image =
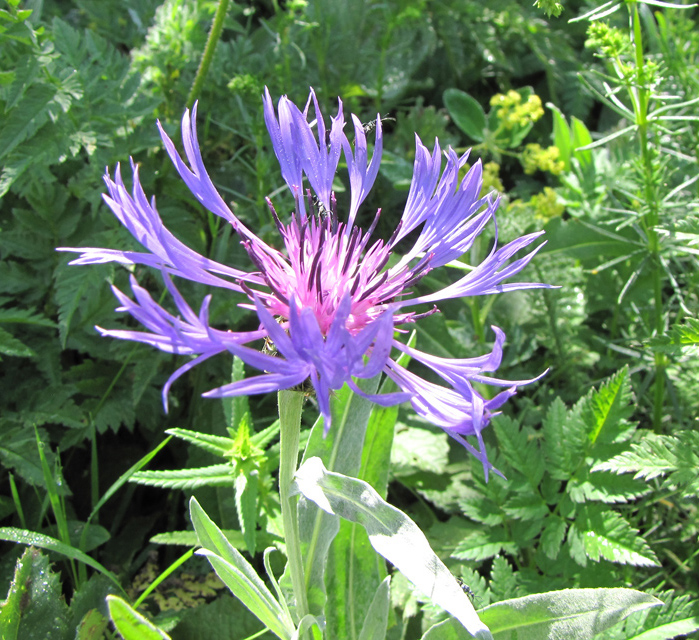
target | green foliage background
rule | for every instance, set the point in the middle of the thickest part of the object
(601, 456)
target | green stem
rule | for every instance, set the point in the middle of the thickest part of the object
(207, 57)
(290, 405)
(651, 217)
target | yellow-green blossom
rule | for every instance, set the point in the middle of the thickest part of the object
(546, 204)
(512, 112)
(491, 178)
(536, 158)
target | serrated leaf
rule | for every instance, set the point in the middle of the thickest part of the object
(15, 315)
(72, 285)
(607, 534)
(34, 607)
(519, 449)
(218, 445)
(26, 118)
(189, 538)
(564, 441)
(484, 511)
(130, 624)
(605, 487)
(11, 346)
(553, 535)
(31, 538)
(658, 455)
(217, 475)
(466, 112)
(483, 545)
(605, 410)
(526, 506)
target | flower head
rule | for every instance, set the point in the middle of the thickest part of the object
(327, 299)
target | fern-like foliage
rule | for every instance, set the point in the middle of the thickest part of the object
(553, 503)
(673, 458)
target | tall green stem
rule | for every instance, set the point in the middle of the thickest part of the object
(640, 96)
(290, 405)
(207, 57)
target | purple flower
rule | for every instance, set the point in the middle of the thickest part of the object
(328, 300)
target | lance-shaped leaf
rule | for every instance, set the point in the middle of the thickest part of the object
(130, 624)
(570, 614)
(395, 536)
(238, 575)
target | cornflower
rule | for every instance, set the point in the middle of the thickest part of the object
(328, 300)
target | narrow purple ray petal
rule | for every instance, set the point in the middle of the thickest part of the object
(362, 176)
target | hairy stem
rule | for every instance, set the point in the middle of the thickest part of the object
(207, 57)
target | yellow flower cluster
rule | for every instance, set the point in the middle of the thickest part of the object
(491, 179)
(546, 204)
(183, 591)
(513, 112)
(536, 158)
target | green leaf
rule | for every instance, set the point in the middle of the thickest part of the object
(552, 536)
(605, 411)
(607, 534)
(561, 135)
(26, 118)
(396, 169)
(125, 477)
(239, 575)
(11, 346)
(235, 408)
(217, 475)
(11, 612)
(564, 441)
(392, 534)
(581, 138)
(656, 455)
(92, 627)
(246, 485)
(22, 536)
(189, 538)
(223, 619)
(418, 450)
(90, 597)
(376, 620)
(218, 445)
(484, 543)
(605, 487)
(14, 315)
(352, 573)
(34, 607)
(520, 449)
(526, 505)
(575, 239)
(466, 112)
(670, 630)
(130, 624)
(573, 614)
